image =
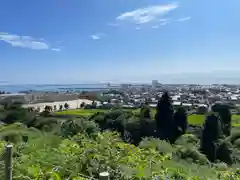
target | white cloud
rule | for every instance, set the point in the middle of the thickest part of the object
(164, 20)
(137, 28)
(55, 49)
(97, 36)
(164, 23)
(148, 14)
(24, 41)
(184, 19)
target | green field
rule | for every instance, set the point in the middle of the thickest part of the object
(88, 112)
(194, 119)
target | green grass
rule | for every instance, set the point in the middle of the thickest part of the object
(85, 112)
(194, 119)
(80, 112)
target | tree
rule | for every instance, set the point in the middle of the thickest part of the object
(94, 105)
(2, 92)
(15, 113)
(61, 107)
(48, 109)
(70, 128)
(164, 118)
(66, 105)
(30, 109)
(82, 105)
(180, 120)
(225, 117)
(212, 132)
(145, 112)
(13, 106)
(202, 110)
(13, 116)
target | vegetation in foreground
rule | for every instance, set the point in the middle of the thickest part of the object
(193, 119)
(126, 144)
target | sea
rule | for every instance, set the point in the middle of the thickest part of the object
(56, 87)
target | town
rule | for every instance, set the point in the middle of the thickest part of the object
(192, 97)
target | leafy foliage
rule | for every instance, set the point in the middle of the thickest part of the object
(128, 145)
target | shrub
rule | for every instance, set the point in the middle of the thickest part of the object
(211, 134)
(237, 143)
(73, 127)
(162, 147)
(188, 140)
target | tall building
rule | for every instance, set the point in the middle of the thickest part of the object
(125, 86)
(154, 84)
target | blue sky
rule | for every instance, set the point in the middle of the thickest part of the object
(78, 41)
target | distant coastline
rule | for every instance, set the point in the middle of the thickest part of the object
(56, 87)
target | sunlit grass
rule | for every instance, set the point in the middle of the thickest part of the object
(196, 119)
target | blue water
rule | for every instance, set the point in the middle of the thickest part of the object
(58, 87)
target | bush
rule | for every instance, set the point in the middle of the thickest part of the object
(65, 149)
(202, 110)
(162, 147)
(237, 143)
(188, 140)
(106, 152)
(72, 127)
(192, 155)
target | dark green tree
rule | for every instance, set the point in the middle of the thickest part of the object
(12, 106)
(82, 105)
(147, 124)
(15, 113)
(225, 117)
(47, 109)
(164, 118)
(66, 105)
(61, 107)
(211, 135)
(202, 110)
(70, 128)
(181, 123)
(145, 112)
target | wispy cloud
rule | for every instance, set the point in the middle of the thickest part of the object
(98, 36)
(148, 14)
(56, 49)
(137, 28)
(164, 20)
(164, 23)
(161, 22)
(25, 41)
(184, 19)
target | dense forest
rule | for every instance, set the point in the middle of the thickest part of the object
(127, 145)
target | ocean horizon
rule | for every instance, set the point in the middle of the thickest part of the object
(55, 87)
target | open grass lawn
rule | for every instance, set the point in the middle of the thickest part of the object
(194, 119)
(87, 112)
(80, 112)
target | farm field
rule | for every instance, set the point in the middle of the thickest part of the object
(194, 119)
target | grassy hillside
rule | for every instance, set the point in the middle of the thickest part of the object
(128, 146)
